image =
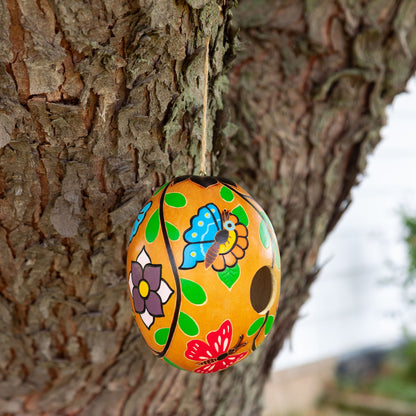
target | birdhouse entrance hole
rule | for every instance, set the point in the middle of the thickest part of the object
(263, 289)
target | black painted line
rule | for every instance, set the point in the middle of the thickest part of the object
(175, 274)
(253, 345)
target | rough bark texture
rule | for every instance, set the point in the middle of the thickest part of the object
(308, 93)
(100, 103)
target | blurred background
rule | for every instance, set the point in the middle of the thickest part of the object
(359, 319)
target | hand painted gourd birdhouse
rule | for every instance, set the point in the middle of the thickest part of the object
(203, 271)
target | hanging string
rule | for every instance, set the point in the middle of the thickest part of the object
(203, 170)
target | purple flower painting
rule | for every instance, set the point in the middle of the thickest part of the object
(148, 290)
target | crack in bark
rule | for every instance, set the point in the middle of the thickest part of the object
(18, 66)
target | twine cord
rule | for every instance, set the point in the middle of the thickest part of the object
(203, 170)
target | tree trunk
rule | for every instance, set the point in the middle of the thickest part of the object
(101, 103)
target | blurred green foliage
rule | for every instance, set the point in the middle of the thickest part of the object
(398, 378)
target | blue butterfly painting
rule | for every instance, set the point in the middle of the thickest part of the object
(217, 239)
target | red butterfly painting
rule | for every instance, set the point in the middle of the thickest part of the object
(217, 354)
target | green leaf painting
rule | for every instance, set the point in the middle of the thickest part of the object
(188, 325)
(161, 188)
(274, 244)
(241, 214)
(175, 199)
(161, 335)
(171, 363)
(255, 326)
(267, 219)
(193, 292)
(276, 255)
(152, 227)
(173, 232)
(264, 235)
(226, 194)
(269, 324)
(229, 275)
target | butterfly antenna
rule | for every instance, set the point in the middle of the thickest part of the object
(239, 344)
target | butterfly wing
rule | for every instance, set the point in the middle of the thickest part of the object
(214, 211)
(201, 235)
(204, 225)
(198, 350)
(194, 253)
(218, 343)
(220, 340)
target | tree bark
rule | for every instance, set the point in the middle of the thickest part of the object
(101, 103)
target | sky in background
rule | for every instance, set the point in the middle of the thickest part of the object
(356, 301)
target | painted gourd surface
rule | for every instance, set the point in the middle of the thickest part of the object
(203, 271)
